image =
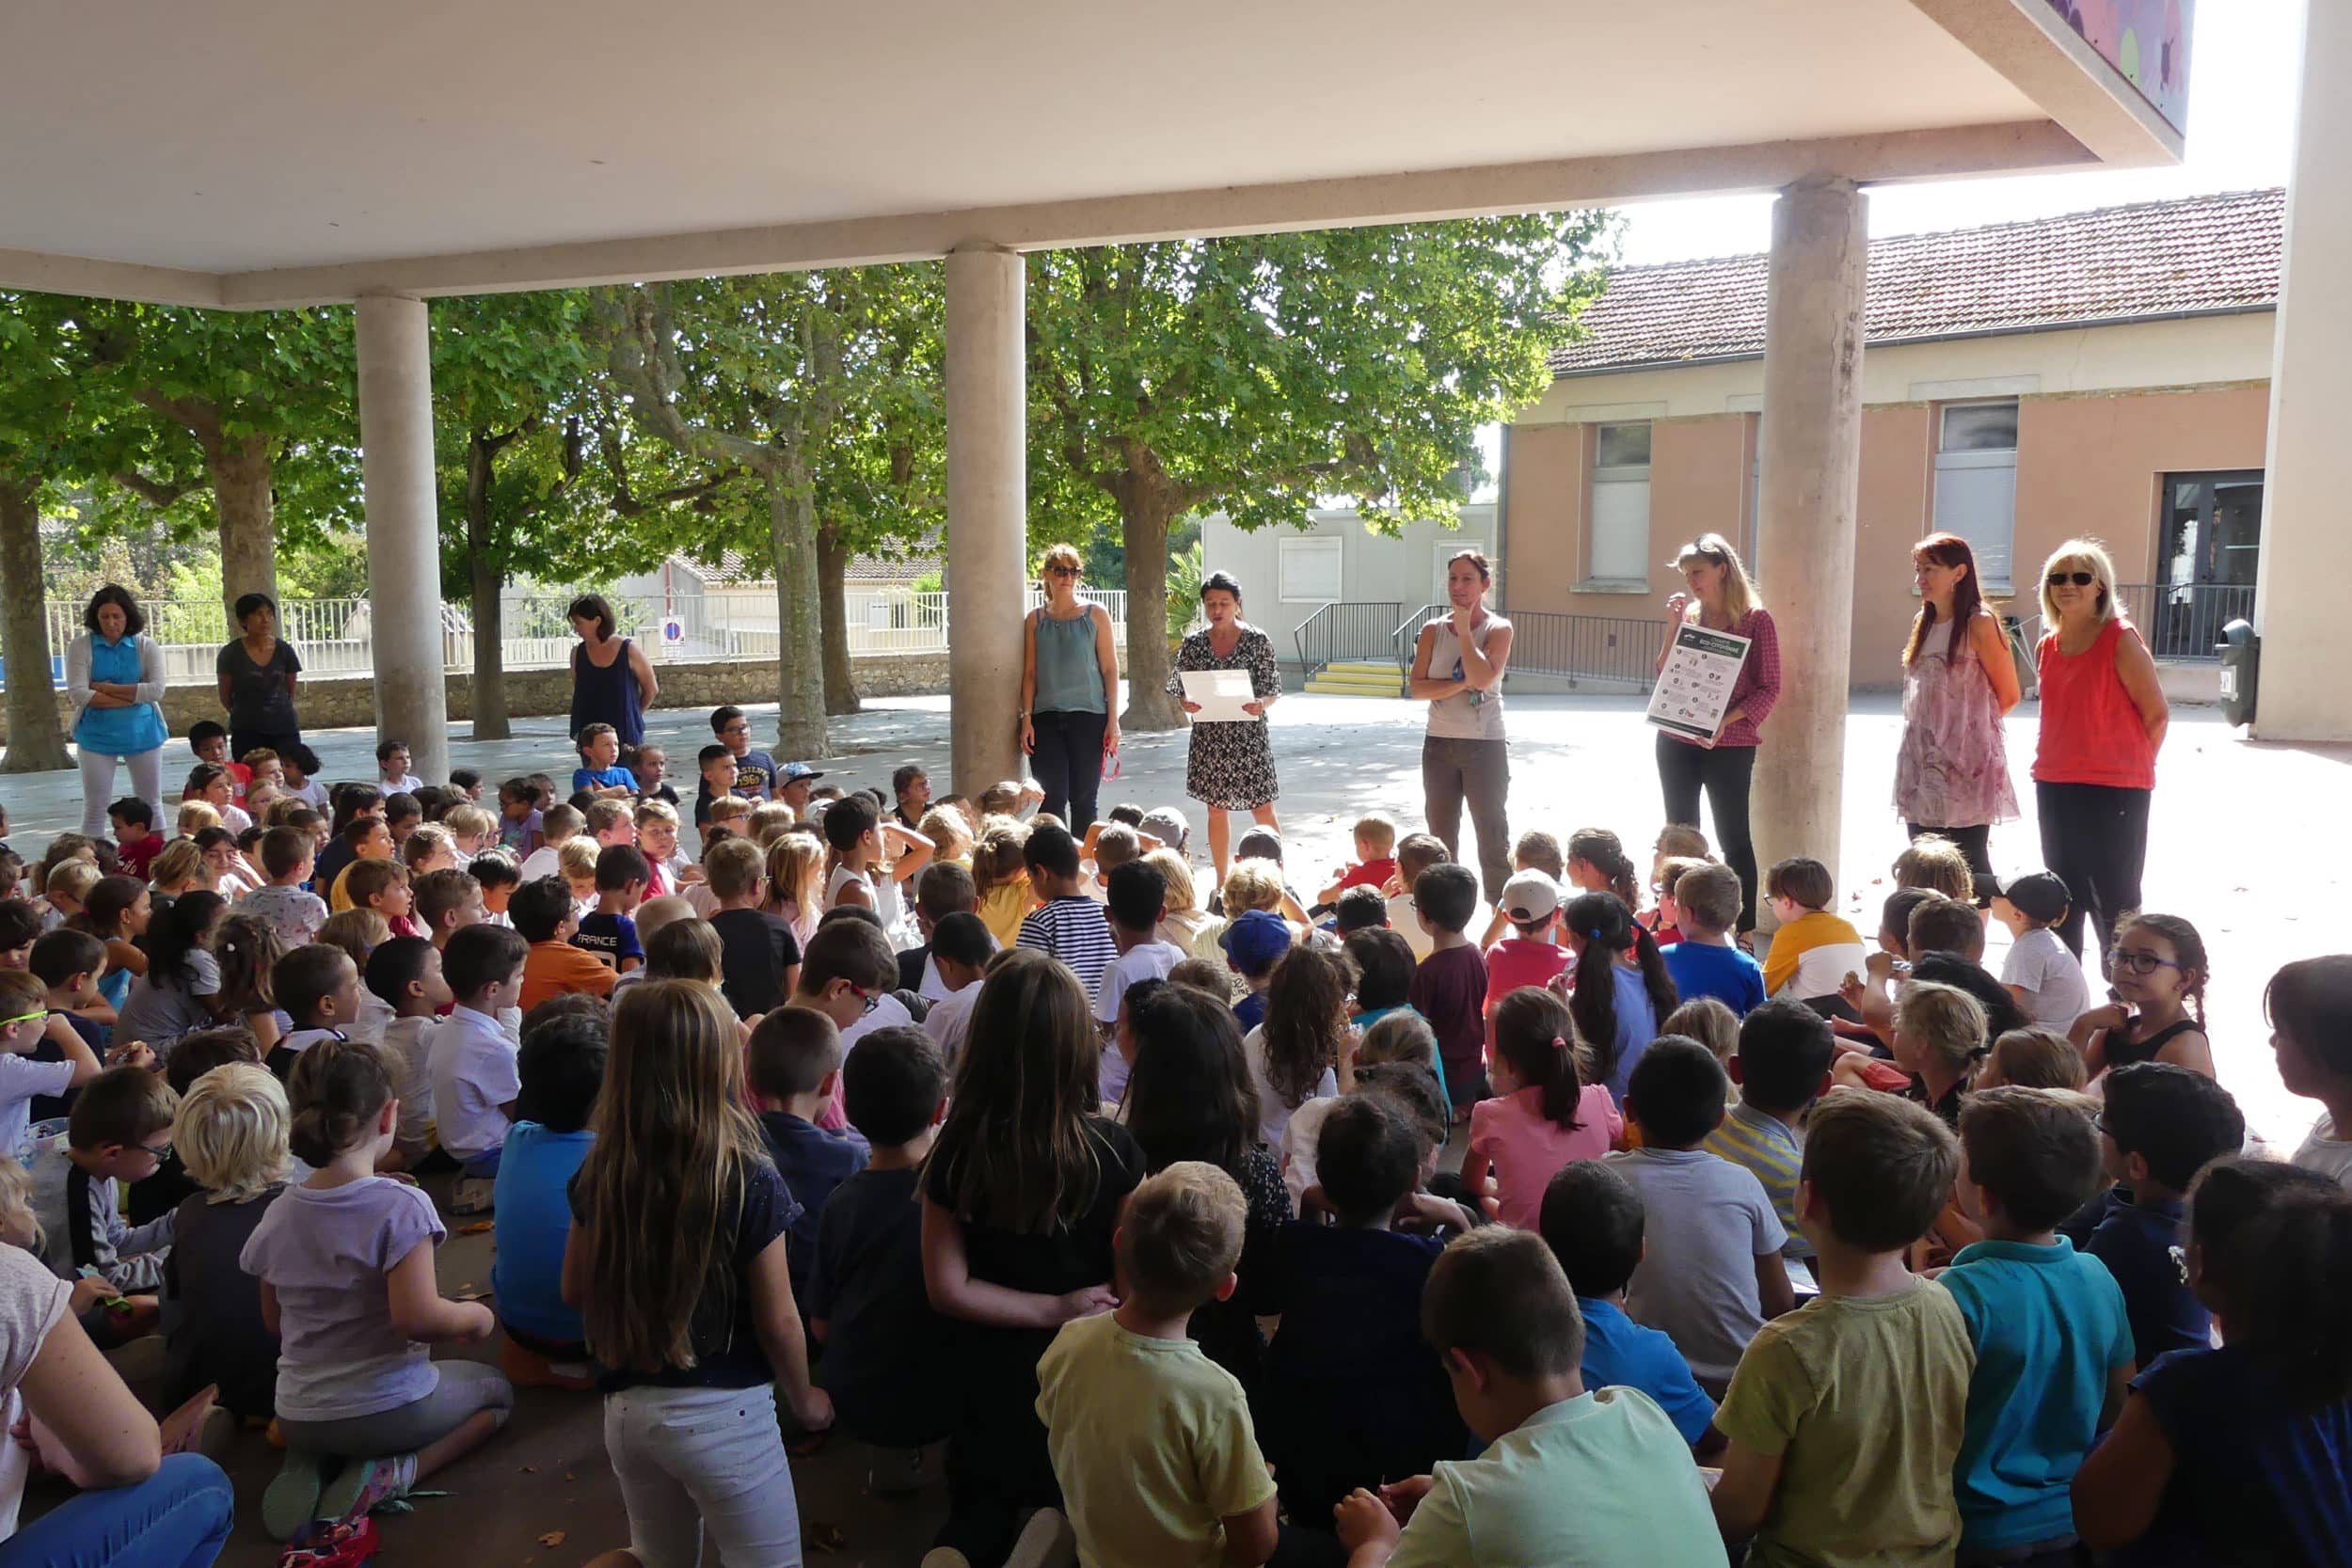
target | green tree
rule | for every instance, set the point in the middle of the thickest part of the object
(243, 420)
(45, 408)
(1259, 374)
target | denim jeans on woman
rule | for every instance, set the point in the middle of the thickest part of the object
(179, 1517)
(1065, 759)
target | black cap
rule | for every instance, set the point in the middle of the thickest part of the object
(2037, 896)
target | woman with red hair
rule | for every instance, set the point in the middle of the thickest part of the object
(1951, 776)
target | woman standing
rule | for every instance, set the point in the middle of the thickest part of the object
(1720, 598)
(1951, 776)
(1231, 764)
(2103, 722)
(259, 672)
(114, 672)
(1069, 686)
(1458, 664)
(612, 681)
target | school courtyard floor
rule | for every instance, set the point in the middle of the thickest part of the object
(2236, 845)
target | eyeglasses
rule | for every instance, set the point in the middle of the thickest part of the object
(21, 1017)
(2141, 961)
(871, 999)
(1065, 571)
(161, 1150)
(736, 729)
(2080, 580)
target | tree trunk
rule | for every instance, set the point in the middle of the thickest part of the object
(486, 584)
(799, 651)
(832, 570)
(240, 471)
(36, 741)
(1145, 510)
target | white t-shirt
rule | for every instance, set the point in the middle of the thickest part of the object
(949, 1022)
(21, 1079)
(888, 1013)
(32, 1300)
(474, 1073)
(543, 861)
(1273, 1116)
(2326, 1153)
(1300, 1140)
(2056, 993)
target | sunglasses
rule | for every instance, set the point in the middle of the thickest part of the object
(1065, 572)
(2141, 961)
(2080, 580)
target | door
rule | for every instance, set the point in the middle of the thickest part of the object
(2210, 538)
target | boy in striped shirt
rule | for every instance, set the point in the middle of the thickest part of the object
(1781, 1067)
(1068, 925)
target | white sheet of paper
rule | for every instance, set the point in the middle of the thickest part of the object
(1220, 694)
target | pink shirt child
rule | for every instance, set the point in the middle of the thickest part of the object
(1526, 1150)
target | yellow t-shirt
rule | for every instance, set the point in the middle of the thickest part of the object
(1004, 906)
(1864, 1402)
(1151, 1442)
(1840, 946)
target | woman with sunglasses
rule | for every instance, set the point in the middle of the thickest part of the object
(2103, 720)
(1720, 598)
(1951, 775)
(1069, 692)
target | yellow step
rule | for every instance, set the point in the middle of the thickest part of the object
(1356, 687)
(1381, 668)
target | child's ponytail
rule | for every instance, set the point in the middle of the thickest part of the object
(336, 1091)
(1535, 1034)
(1657, 978)
(1604, 926)
(1600, 849)
(2274, 1243)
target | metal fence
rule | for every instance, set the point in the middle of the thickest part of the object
(1346, 629)
(1572, 647)
(334, 636)
(2182, 622)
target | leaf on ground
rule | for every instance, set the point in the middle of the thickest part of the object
(479, 1227)
(554, 1538)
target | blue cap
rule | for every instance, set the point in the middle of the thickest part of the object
(1255, 939)
(795, 771)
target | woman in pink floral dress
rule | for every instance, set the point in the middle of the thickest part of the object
(1951, 776)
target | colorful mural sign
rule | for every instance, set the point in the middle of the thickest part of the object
(2145, 40)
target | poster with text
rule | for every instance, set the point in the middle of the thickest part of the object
(1694, 690)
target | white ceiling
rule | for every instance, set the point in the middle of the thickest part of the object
(230, 136)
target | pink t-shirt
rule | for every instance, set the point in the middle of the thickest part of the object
(1517, 961)
(1526, 1150)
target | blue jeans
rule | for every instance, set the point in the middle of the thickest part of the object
(176, 1518)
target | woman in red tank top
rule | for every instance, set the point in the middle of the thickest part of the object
(2102, 719)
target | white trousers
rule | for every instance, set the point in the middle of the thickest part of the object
(697, 1460)
(98, 787)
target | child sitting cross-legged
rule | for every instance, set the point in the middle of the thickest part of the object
(561, 1070)
(2237, 1454)
(1703, 962)
(230, 1130)
(1782, 1066)
(1714, 1272)
(1152, 1441)
(345, 1261)
(793, 1071)
(117, 1132)
(1846, 1415)
(1545, 1116)
(472, 1060)
(1351, 1395)
(2053, 1346)
(1593, 1221)
(1571, 1476)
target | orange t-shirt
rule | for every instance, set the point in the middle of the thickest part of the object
(554, 968)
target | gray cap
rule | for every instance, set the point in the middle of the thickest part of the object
(1167, 825)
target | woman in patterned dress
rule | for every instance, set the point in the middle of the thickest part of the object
(1232, 764)
(1951, 775)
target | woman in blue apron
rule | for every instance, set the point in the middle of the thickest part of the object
(114, 672)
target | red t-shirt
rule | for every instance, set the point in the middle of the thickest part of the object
(1517, 961)
(1369, 873)
(136, 855)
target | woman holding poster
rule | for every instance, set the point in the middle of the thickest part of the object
(1721, 600)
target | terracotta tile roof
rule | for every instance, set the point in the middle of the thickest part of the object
(2201, 254)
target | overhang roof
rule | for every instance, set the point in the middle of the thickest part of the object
(249, 152)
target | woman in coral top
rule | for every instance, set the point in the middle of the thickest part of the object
(2103, 720)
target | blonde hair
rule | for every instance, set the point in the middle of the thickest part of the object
(1183, 896)
(73, 878)
(650, 810)
(232, 1131)
(1942, 1019)
(1058, 555)
(358, 930)
(180, 861)
(996, 860)
(1252, 884)
(576, 858)
(196, 816)
(422, 842)
(1738, 590)
(771, 820)
(16, 1200)
(796, 875)
(2035, 1058)
(1934, 862)
(1180, 1235)
(949, 834)
(1378, 831)
(654, 913)
(1707, 1022)
(476, 820)
(2079, 555)
(729, 805)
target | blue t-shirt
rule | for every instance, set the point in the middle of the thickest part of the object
(2257, 1478)
(1621, 1354)
(609, 937)
(602, 778)
(756, 775)
(1637, 1024)
(533, 1219)
(2050, 1329)
(1251, 1011)
(813, 1163)
(2143, 1245)
(1726, 974)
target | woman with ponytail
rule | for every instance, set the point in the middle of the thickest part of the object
(1619, 987)
(2241, 1454)
(1544, 1116)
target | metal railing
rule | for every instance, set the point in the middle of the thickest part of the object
(1346, 629)
(2182, 622)
(1572, 647)
(334, 636)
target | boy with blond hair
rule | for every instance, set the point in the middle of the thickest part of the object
(1376, 858)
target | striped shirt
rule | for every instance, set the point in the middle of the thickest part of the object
(1075, 930)
(1765, 1145)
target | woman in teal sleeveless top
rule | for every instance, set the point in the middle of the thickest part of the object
(1068, 691)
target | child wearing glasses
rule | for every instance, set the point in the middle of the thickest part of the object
(119, 1131)
(2160, 973)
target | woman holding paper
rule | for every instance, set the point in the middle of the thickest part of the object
(1231, 767)
(1720, 598)
(1069, 692)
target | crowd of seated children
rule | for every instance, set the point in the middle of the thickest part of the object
(561, 1068)
(1703, 960)
(1544, 1116)
(1782, 1066)
(1620, 987)
(2160, 969)
(230, 1132)
(2310, 1005)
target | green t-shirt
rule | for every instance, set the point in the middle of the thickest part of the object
(1596, 1480)
(1151, 1442)
(1866, 1402)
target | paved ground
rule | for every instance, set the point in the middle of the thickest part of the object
(2232, 848)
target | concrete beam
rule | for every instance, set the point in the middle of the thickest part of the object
(2050, 63)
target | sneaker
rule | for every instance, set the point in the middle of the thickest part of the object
(472, 1196)
(331, 1543)
(1045, 1541)
(366, 1483)
(292, 1500)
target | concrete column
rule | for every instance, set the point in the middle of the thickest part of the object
(1812, 459)
(404, 532)
(2307, 639)
(988, 504)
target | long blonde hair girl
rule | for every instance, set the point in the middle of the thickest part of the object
(795, 882)
(663, 1182)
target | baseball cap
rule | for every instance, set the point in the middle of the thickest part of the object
(1255, 939)
(1167, 825)
(793, 772)
(2037, 896)
(1530, 895)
